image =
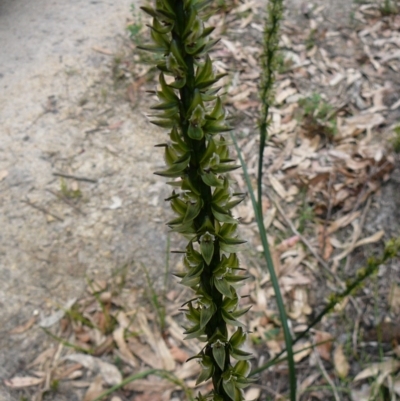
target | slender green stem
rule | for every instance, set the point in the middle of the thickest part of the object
(274, 279)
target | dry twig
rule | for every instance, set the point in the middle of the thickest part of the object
(42, 209)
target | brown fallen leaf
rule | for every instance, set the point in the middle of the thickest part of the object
(21, 382)
(342, 367)
(178, 354)
(394, 298)
(148, 397)
(24, 327)
(375, 369)
(302, 350)
(396, 385)
(150, 386)
(323, 341)
(144, 352)
(110, 374)
(102, 50)
(307, 382)
(287, 243)
(68, 372)
(253, 393)
(363, 394)
(43, 357)
(156, 342)
(94, 390)
(127, 355)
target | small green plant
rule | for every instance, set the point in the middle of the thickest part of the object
(198, 160)
(318, 116)
(396, 139)
(283, 64)
(136, 26)
(306, 215)
(154, 298)
(69, 193)
(311, 39)
(389, 7)
(54, 385)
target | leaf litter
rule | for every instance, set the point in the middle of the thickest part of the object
(324, 161)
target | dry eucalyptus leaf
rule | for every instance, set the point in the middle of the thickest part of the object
(110, 374)
(144, 352)
(94, 390)
(396, 385)
(118, 336)
(375, 369)
(278, 187)
(363, 394)
(21, 382)
(188, 369)
(342, 367)
(24, 327)
(150, 386)
(148, 396)
(307, 382)
(323, 341)
(156, 342)
(179, 354)
(252, 394)
(394, 298)
(57, 316)
(302, 350)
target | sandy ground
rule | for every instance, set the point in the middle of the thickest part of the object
(59, 113)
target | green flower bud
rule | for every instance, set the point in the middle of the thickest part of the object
(207, 246)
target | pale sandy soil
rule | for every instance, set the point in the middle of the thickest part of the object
(54, 89)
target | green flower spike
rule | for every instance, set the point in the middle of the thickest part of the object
(197, 163)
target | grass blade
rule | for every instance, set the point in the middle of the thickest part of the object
(274, 279)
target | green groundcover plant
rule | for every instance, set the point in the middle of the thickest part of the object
(197, 162)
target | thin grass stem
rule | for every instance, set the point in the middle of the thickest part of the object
(274, 278)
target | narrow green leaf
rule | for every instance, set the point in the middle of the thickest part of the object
(163, 123)
(230, 319)
(193, 210)
(224, 168)
(219, 354)
(229, 387)
(207, 247)
(221, 215)
(238, 338)
(271, 269)
(175, 170)
(152, 48)
(242, 368)
(223, 287)
(195, 132)
(205, 315)
(211, 179)
(240, 355)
